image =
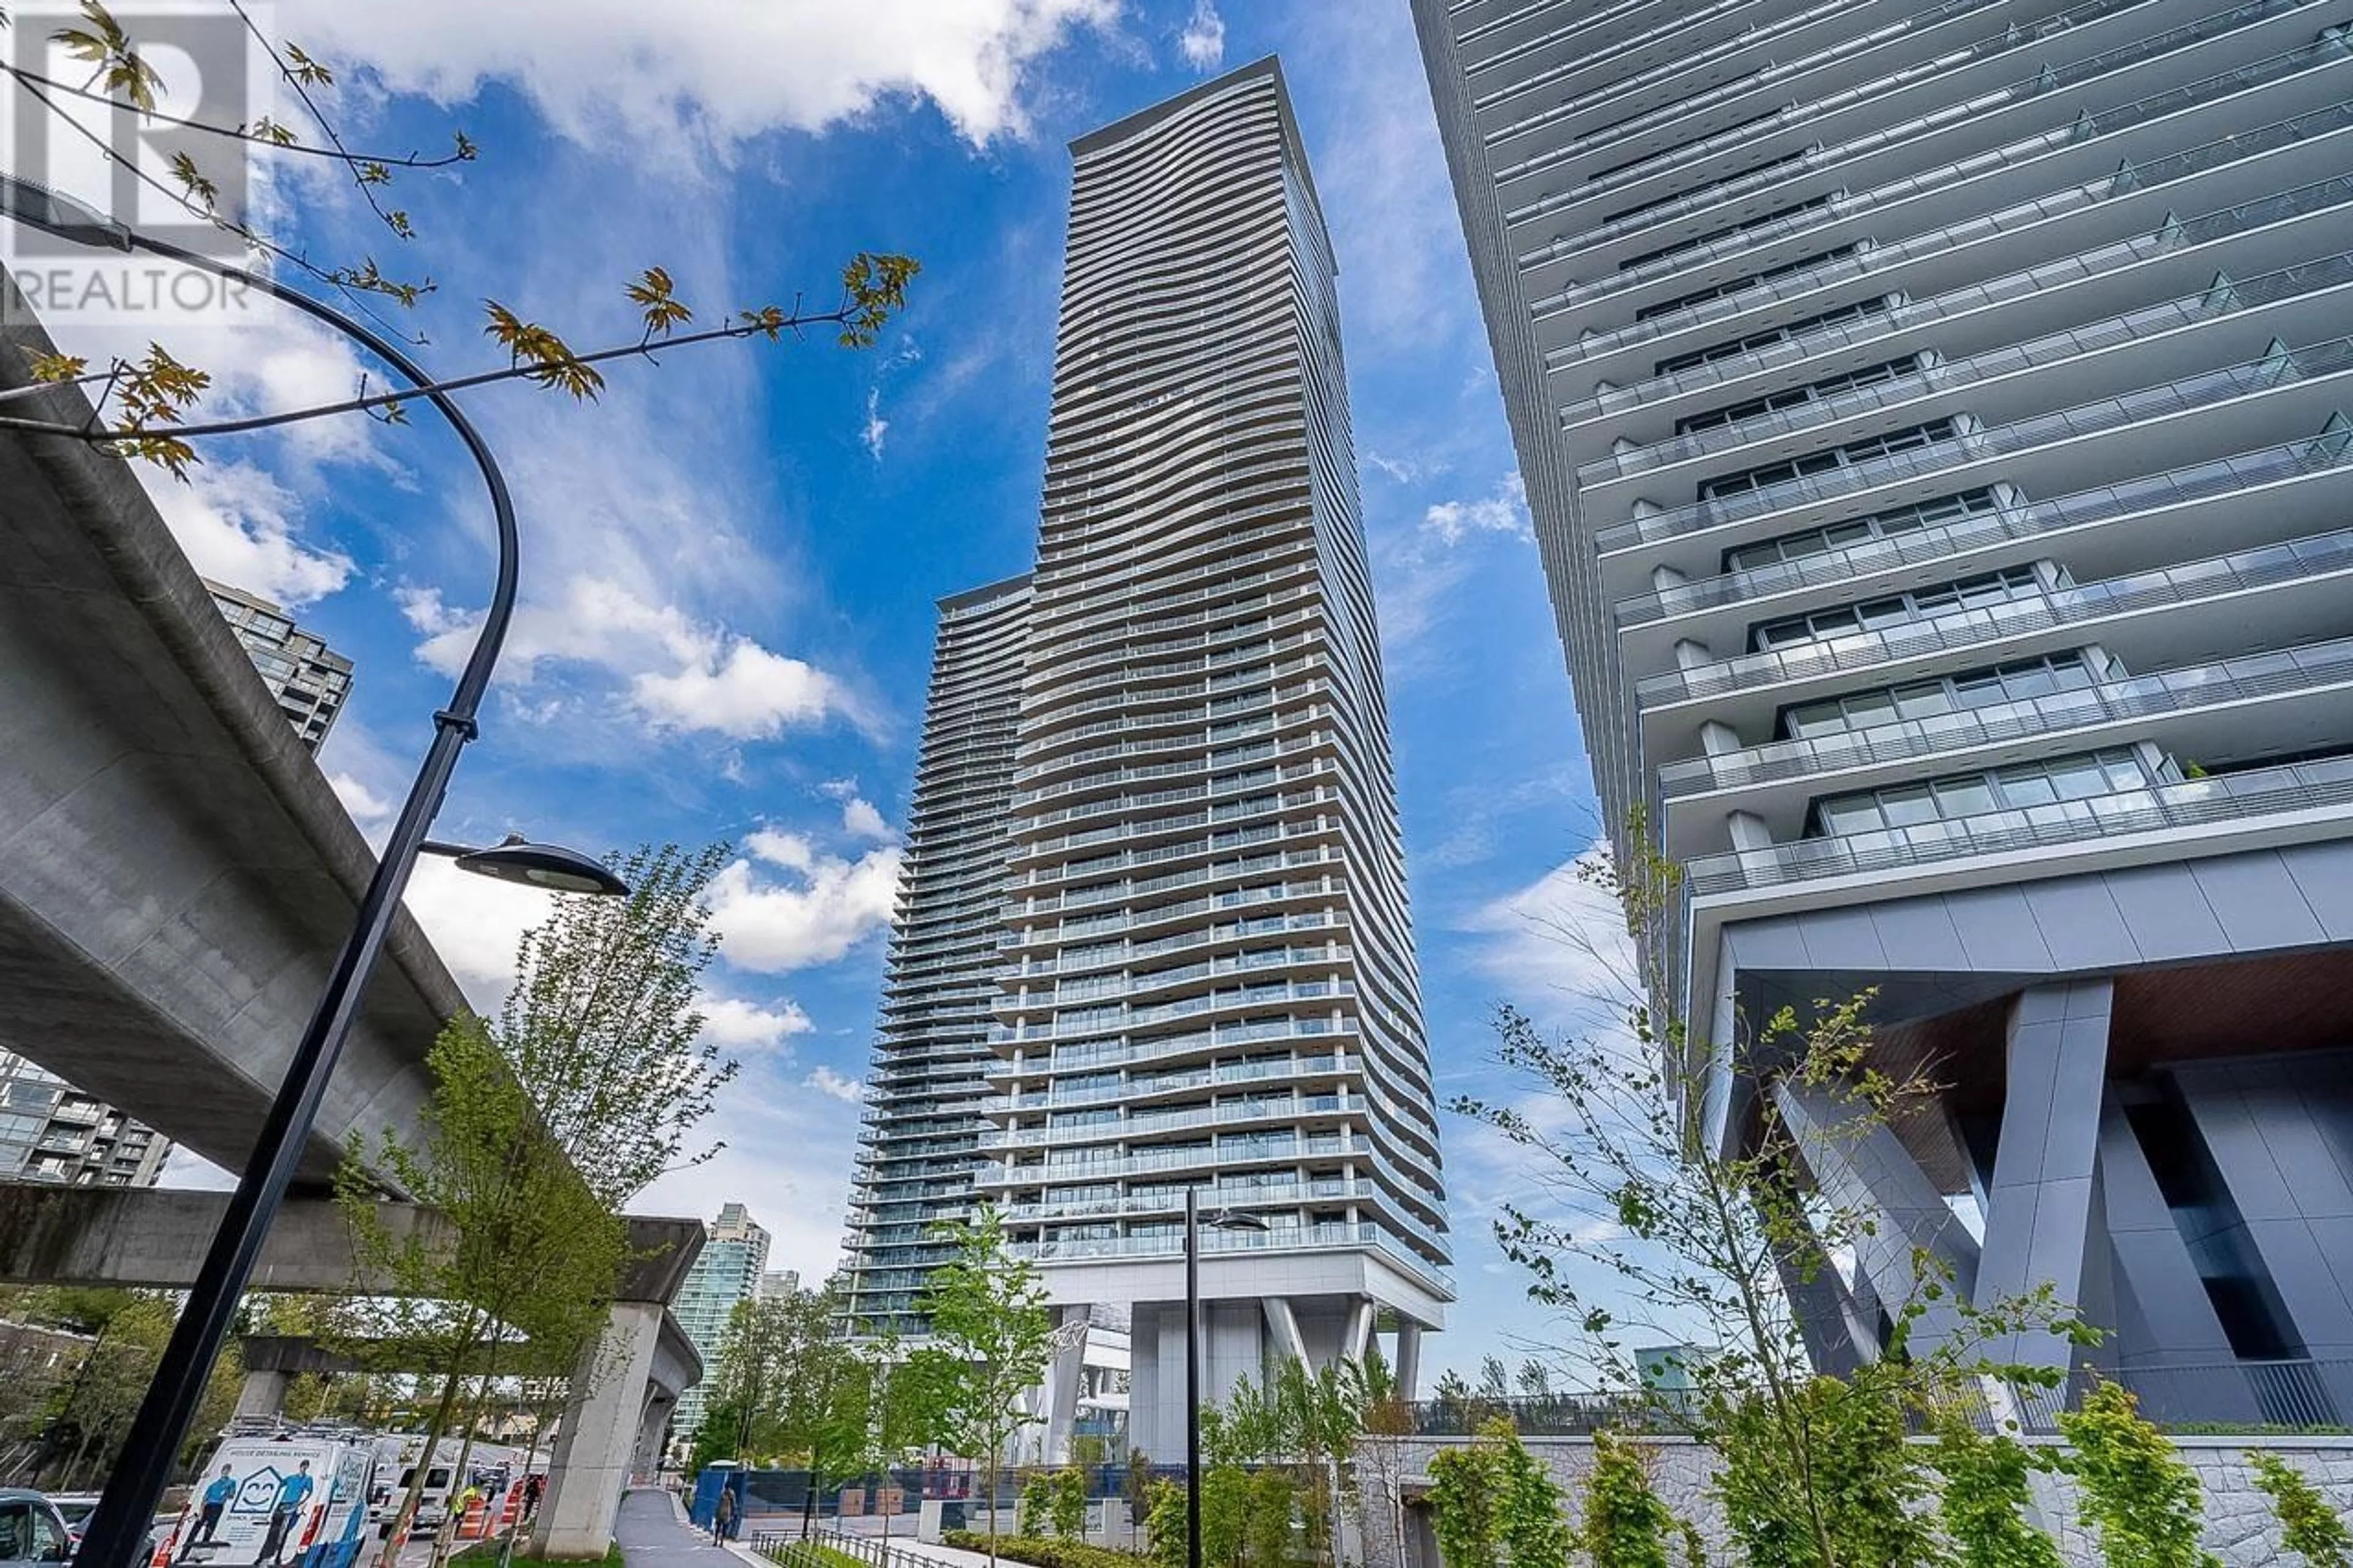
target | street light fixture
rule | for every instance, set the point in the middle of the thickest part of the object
(550, 867)
(1224, 1219)
(151, 1447)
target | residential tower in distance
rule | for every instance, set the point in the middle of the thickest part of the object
(1935, 421)
(1175, 885)
(727, 1270)
(309, 679)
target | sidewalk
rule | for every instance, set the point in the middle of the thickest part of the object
(654, 1533)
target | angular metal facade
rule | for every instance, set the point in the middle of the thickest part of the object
(1934, 416)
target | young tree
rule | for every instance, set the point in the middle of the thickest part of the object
(144, 404)
(1626, 1525)
(541, 1129)
(991, 1341)
(535, 1257)
(1985, 1498)
(2134, 1489)
(2308, 1526)
(1699, 1240)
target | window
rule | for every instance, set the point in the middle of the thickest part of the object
(1897, 609)
(1809, 463)
(1841, 535)
(1748, 280)
(1797, 397)
(1844, 314)
(2016, 681)
(2085, 776)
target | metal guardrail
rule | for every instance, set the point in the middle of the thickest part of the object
(2220, 1398)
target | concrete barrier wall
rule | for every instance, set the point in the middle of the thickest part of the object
(2240, 1528)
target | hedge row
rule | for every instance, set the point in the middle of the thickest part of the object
(1043, 1552)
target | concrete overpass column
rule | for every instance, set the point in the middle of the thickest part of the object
(599, 1440)
(1063, 1376)
(263, 1392)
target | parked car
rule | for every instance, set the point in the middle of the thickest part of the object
(31, 1529)
(75, 1508)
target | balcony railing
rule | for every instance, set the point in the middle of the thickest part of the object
(2184, 583)
(2254, 675)
(2198, 481)
(2198, 803)
(2254, 74)
(2135, 176)
(2109, 414)
(1881, 258)
(2051, 349)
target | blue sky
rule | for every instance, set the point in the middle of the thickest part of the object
(731, 560)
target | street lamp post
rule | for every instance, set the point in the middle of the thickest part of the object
(119, 1525)
(1224, 1219)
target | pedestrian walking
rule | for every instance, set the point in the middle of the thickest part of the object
(722, 1516)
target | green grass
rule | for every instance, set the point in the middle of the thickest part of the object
(809, 1554)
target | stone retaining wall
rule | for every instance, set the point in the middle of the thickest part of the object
(2240, 1528)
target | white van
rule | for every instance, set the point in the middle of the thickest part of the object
(294, 1498)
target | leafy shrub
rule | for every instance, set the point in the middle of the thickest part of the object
(1036, 1501)
(1066, 1504)
(1492, 1502)
(2308, 1526)
(1046, 1550)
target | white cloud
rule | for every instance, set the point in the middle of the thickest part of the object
(707, 74)
(1506, 511)
(742, 691)
(859, 819)
(824, 1080)
(1203, 41)
(737, 1025)
(238, 525)
(366, 806)
(681, 674)
(822, 907)
(474, 923)
(1407, 470)
(876, 426)
(1559, 946)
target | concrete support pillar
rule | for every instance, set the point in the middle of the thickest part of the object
(2043, 1203)
(1840, 1336)
(1283, 1337)
(1409, 1358)
(1359, 1335)
(1747, 831)
(1665, 577)
(1869, 1172)
(1063, 1376)
(1716, 737)
(1692, 654)
(2273, 1129)
(601, 1430)
(1147, 1375)
(263, 1392)
(2163, 1313)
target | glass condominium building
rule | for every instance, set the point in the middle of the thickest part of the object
(1934, 417)
(919, 1149)
(1202, 971)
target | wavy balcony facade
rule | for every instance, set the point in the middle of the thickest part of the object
(919, 1149)
(1194, 969)
(1934, 418)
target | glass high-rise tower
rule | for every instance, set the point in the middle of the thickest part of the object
(1935, 421)
(1205, 974)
